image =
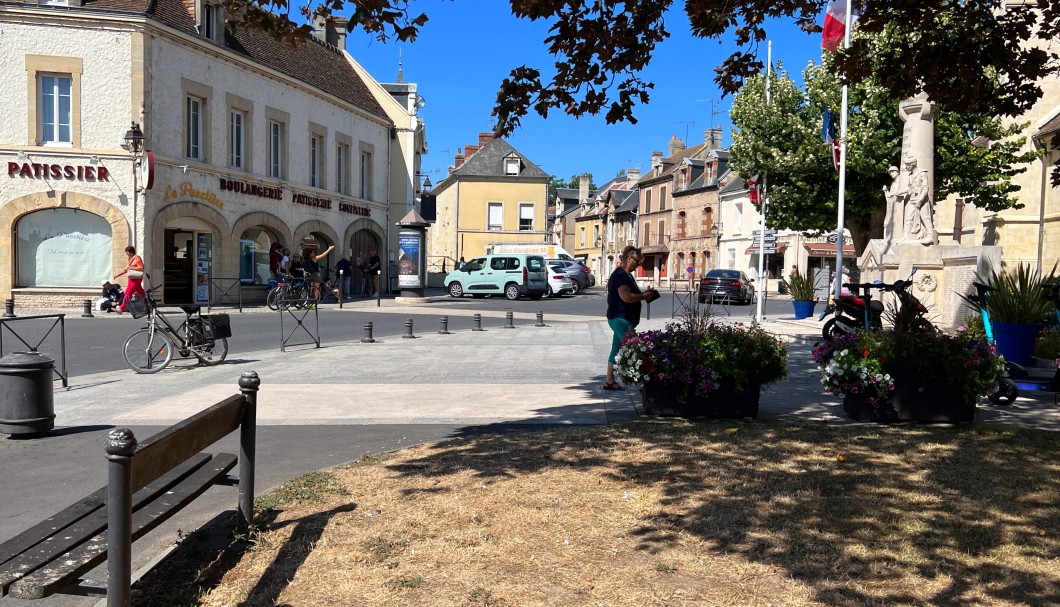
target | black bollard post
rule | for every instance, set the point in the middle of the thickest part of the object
(508, 317)
(87, 312)
(540, 320)
(408, 330)
(478, 323)
(445, 325)
(341, 294)
(367, 339)
(9, 308)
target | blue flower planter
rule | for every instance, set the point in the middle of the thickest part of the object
(803, 309)
(1015, 341)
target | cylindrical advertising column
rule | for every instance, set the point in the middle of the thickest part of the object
(411, 263)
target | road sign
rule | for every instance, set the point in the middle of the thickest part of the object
(767, 238)
(766, 251)
(768, 232)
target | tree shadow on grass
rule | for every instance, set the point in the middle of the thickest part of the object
(904, 514)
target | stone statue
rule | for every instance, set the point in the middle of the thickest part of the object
(919, 212)
(894, 195)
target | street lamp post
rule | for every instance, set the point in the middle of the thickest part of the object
(134, 142)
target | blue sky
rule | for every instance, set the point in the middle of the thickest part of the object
(468, 47)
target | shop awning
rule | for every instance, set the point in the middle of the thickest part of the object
(753, 249)
(826, 249)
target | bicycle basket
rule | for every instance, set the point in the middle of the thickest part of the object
(218, 326)
(137, 307)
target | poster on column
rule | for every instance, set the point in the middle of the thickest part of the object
(202, 274)
(409, 247)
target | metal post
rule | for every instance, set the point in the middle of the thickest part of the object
(87, 313)
(248, 385)
(648, 305)
(478, 323)
(341, 294)
(120, 448)
(9, 308)
(508, 317)
(445, 325)
(367, 339)
(408, 330)
(540, 320)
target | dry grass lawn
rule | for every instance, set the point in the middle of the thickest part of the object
(656, 513)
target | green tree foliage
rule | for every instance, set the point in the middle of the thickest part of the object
(975, 156)
(971, 56)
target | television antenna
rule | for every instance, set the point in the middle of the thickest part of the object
(713, 109)
(687, 124)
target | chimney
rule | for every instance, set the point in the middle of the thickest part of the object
(320, 28)
(458, 159)
(484, 138)
(338, 29)
(189, 5)
(469, 150)
(676, 145)
(712, 137)
(633, 175)
(656, 161)
(583, 188)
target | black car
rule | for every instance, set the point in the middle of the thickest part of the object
(579, 274)
(733, 285)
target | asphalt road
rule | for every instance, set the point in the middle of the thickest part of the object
(94, 345)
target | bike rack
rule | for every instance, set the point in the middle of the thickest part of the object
(299, 322)
(724, 302)
(60, 320)
(680, 301)
(237, 285)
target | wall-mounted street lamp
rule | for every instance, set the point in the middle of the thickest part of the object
(134, 142)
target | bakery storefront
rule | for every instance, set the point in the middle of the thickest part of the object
(65, 237)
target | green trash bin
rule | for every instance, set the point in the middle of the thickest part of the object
(27, 408)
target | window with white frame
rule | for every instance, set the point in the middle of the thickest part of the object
(276, 149)
(526, 217)
(315, 148)
(732, 259)
(738, 228)
(193, 138)
(366, 174)
(581, 238)
(511, 166)
(212, 22)
(342, 168)
(596, 235)
(237, 121)
(495, 217)
(611, 231)
(56, 108)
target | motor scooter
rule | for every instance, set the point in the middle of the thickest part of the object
(1016, 377)
(859, 310)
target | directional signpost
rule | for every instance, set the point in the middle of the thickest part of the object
(765, 242)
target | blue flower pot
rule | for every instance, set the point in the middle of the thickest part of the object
(1015, 341)
(803, 309)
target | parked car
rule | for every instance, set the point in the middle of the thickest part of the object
(733, 285)
(513, 275)
(559, 283)
(581, 275)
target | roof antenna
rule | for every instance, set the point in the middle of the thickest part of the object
(401, 73)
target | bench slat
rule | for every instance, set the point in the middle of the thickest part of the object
(41, 544)
(163, 451)
(61, 573)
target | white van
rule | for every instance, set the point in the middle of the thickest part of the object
(548, 251)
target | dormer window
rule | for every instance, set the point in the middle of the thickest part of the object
(511, 165)
(211, 23)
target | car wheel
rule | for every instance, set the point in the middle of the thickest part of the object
(456, 290)
(511, 292)
(550, 293)
(577, 287)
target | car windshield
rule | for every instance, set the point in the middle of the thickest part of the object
(726, 274)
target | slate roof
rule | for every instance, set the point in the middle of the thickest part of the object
(314, 63)
(670, 163)
(488, 161)
(625, 200)
(736, 184)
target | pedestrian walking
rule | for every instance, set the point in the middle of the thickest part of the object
(623, 306)
(134, 269)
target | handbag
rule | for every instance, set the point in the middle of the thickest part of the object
(135, 273)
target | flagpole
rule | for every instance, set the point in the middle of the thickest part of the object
(840, 239)
(765, 202)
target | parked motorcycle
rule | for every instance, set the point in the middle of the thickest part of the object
(859, 310)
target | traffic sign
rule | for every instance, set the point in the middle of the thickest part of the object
(767, 232)
(766, 250)
(767, 238)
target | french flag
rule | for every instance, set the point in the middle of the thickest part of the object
(835, 17)
(828, 135)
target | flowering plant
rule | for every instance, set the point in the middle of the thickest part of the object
(695, 355)
(867, 363)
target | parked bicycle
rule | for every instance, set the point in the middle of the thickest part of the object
(151, 349)
(289, 292)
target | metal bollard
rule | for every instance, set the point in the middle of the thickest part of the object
(9, 308)
(508, 317)
(540, 320)
(478, 323)
(408, 330)
(445, 325)
(341, 294)
(87, 313)
(367, 339)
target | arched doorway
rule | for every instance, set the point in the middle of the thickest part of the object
(255, 243)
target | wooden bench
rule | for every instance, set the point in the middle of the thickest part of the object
(147, 483)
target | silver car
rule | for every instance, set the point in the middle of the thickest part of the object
(580, 275)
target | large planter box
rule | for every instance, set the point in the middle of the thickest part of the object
(803, 309)
(913, 399)
(725, 402)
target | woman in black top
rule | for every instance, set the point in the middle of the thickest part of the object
(312, 270)
(623, 305)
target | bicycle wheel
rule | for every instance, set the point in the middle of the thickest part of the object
(148, 351)
(212, 351)
(274, 299)
(300, 297)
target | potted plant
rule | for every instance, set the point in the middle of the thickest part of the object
(909, 376)
(1017, 305)
(802, 295)
(697, 367)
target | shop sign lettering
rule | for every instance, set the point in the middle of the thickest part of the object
(251, 189)
(353, 209)
(187, 190)
(37, 170)
(310, 201)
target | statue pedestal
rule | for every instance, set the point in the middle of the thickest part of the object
(943, 273)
